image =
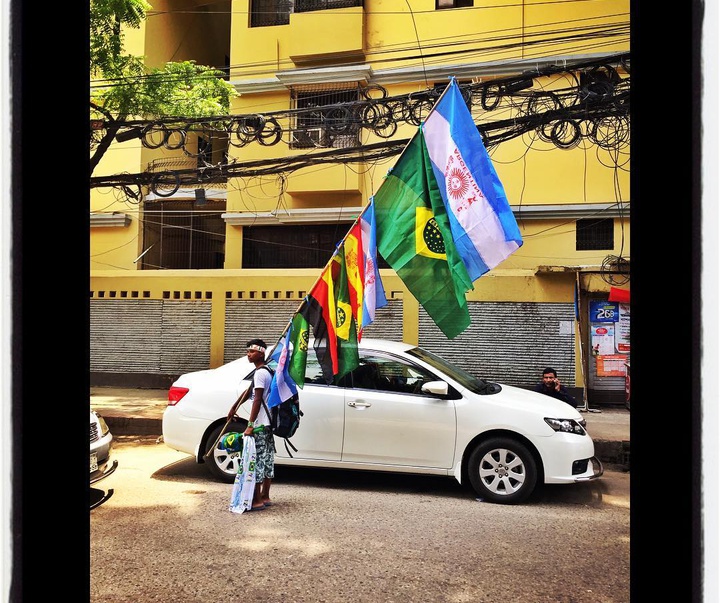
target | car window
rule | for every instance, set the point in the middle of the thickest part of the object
(387, 374)
(474, 384)
(314, 374)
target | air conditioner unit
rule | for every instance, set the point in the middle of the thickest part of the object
(345, 141)
(312, 137)
(317, 136)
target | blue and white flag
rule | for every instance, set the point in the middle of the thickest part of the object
(483, 225)
(282, 387)
(374, 293)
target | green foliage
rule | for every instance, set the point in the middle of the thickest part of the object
(176, 90)
(107, 19)
(125, 88)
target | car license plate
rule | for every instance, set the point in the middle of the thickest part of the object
(93, 462)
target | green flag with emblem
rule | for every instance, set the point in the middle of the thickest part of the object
(414, 237)
(348, 357)
(346, 329)
(300, 337)
(343, 308)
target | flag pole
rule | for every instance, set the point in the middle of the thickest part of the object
(244, 396)
(419, 129)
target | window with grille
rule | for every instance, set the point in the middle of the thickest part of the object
(210, 150)
(264, 13)
(594, 234)
(453, 3)
(302, 246)
(302, 6)
(320, 124)
(187, 234)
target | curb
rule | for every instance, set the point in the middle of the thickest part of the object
(133, 426)
(610, 452)
(613, 453)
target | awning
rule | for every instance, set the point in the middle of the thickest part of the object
(619, 295)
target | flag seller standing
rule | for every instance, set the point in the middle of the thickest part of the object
(259, 425)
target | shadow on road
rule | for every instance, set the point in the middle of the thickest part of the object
(593, 493)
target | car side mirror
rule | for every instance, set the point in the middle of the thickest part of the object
(437, 388)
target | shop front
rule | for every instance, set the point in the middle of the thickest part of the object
(608, 340)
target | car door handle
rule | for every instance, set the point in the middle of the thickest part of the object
(359, 404)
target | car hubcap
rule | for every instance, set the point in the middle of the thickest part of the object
(502, 471)
(227, 461)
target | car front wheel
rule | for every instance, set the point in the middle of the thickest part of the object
(223, 464)
(502, 470)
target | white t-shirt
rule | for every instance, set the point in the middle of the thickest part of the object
(262, 378)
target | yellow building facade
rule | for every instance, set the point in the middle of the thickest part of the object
(289, 60)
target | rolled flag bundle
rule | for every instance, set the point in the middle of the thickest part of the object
(231, 442)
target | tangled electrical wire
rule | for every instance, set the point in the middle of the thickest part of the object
(615, 270)
(595, 107)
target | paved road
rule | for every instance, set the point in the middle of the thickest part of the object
(339, 536)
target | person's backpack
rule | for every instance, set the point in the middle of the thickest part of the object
(285, 417)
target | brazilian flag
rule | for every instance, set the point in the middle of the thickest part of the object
(414, 237)
(343, 309)
(345, 327)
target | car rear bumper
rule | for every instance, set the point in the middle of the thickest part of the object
(183, 433)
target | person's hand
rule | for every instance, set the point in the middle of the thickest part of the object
(557, 385)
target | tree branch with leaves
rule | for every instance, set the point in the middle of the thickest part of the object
(123, 88)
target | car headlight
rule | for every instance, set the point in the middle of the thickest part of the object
(566, 425)
(103, 426)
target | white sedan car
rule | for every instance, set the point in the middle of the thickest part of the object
(405, 410)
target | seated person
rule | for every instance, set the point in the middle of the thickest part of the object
(551, 386)
(365, 376)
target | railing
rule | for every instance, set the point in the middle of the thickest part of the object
(304, 6)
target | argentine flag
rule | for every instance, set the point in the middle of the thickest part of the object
(282, 387)
(482, 224)
(374, 293)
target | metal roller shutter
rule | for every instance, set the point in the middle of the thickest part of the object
(388, 323)
(185, 341)
(149, 336)
(245, 320)
(125, 336)
(267, 320)
(509, 342)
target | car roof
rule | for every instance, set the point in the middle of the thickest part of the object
(387, 345)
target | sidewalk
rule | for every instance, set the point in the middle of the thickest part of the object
(139, 412)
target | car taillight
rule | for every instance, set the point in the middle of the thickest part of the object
(175, 394)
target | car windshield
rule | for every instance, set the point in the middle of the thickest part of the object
(465, 379)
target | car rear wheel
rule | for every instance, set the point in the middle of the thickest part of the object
(502, 470)
(223, 464)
